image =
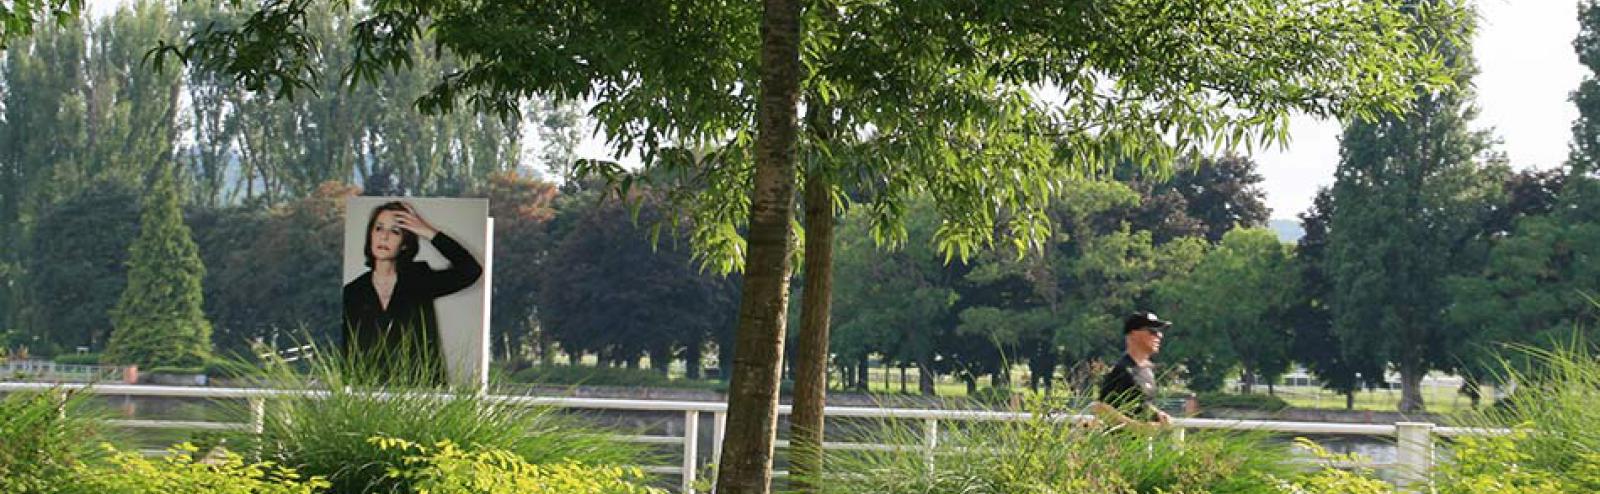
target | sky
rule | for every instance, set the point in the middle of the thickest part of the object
(1527, 70)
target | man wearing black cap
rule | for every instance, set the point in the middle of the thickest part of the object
(1128, 393)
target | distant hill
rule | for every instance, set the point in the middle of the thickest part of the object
(1288, 231)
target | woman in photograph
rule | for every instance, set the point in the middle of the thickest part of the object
(391, 327)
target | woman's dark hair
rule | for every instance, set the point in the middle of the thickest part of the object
(408, 240)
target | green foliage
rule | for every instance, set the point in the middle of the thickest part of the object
(1585, 158)
(624, 289)
(1500, 465)
(44, 437)
(79, 263)
(1333, 480)
(1044, 454)
(19, 18)
(447, 468)
(895, 303)
(166, 369)
(1536, 284)
(1001, 396)
(159, 320)
(593, 376)
(180, 472)
(1554, 441)
(1247, 401)
(1315, 344)
(1407, 194)
(78, 359)
(287, 255)
(327, 435)
(522, 209)
(975, 86)
(1232, 309)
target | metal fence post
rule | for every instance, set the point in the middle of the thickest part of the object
(258, 415)
(930, 441)
(1415, 455)
(691, 448)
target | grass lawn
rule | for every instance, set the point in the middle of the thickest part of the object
(1443, 400)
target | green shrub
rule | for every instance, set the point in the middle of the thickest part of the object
(180, 473)
(1249, 402)
(326, 435)
(591, 376)
(78, 359)
(1332, 480)
(994, 396)
(1554, 447)
(446, 468)
(43, 437)
(1043, 454)
(1496, 465)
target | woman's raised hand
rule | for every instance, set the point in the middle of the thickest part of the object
(413, 222)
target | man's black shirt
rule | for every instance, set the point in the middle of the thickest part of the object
(1130, 389)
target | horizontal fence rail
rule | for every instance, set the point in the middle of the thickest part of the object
(1414, 440)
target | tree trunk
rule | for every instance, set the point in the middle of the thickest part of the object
(884, 363)
(811, 350)
(1350, 400)
(693, 354)
(1042, 368)
(661, 360)
(903, 378)
(925, 377)
(746, 463)
(1247, 381)
(863, 372)
(724, 359)
(972, 384)
(1411, 388)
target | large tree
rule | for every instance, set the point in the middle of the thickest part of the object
(272, 272)
(522, 208)
(159, 320)
(616, 294)
(41, 127)
(1538, 281)
(1233, 308)
(1315, 345)
(79, 264)
(1406, 190)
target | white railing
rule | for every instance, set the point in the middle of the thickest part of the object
(43, 370)
(1414, 440)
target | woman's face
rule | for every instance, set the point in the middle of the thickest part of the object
(386, 237)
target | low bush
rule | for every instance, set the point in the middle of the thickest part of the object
(1046, 454)
(44, 436)
(78, 359)
(1554, 446)
(180, 472)
(569, 375)
(446, 468)
(326, 435)
(1245, 401)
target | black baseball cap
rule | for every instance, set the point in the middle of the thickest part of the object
(1142, 320)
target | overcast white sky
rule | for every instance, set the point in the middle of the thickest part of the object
(1528, 68)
